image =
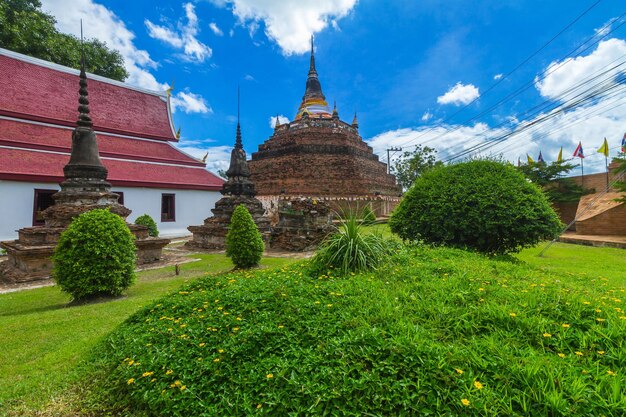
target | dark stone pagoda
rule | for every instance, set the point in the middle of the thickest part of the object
(85, 188)
(238, 189)
(317, 155)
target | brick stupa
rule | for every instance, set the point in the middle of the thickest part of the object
(85, 188)
(238, 189)
(318, 155)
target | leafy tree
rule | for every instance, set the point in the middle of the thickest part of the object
(482, 205)
(95, 256)
(26, 29)
(412, 164)
(244, 245)
(549, 178)
(146, 220)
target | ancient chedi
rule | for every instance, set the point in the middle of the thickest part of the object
(238, 189)
(319, 155)
(84, 188)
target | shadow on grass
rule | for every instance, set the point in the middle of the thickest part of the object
(61, 305)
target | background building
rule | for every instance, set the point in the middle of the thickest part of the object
(135, 138)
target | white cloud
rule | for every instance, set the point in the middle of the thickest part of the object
(218, 156)
(289, 23)
(189, 103)
(216, 30)
(185, 37)
(498, 76)
(561, 76)
(459, 94)
(163, 34)
(104, 25)
(282, 119)
(249, 77)
(427, 116)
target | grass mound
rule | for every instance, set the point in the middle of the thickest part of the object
(435, 332)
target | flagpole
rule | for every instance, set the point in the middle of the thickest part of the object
(606, 163)
(582, 170)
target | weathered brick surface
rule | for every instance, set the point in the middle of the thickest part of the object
(601, 215)
(319, 157)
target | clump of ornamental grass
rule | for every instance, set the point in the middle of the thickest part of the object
(350, 249)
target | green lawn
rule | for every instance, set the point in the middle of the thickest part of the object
(43, 340)
(586, 261)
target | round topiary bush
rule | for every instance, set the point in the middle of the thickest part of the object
(244, 245)
(95, 256)
(482, 205)
(146, 220)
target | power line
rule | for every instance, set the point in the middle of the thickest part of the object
(526, 86)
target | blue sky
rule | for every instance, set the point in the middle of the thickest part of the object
(414, 71)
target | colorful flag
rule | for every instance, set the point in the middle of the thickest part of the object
(560, 157)
(604, 149)
(530, 160)
(540, 159)
(624, 143)
(579, 151)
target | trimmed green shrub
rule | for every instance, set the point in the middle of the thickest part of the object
(350, 249)
(244, 245)
(482, 205)
(95, 256)
(146, 220)
(368, 215)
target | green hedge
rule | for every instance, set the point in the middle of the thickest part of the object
(482, 205)
(146, 220)
(95, 256)
(244, 245)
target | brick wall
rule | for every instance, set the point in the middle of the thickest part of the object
(319, 157)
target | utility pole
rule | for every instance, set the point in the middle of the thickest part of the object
(389, 150)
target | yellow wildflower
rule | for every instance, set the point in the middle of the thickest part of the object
(183, 387)
(131, 381)
(169, 372)
(512, 314)
(235, 329)
(280, 326)
(547, 335)
(130, 362)
(465, 402)
(565, 325)
(478, 385)
(202, 344)
(611, 373)
(220, 350)
(561, 355)
(269, 376)
(458, 371)
(216, 360)
(259, 406)
(600, 320)
(578, 353)
(145, 374)
(601, 352)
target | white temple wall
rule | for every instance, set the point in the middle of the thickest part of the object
(191, 206)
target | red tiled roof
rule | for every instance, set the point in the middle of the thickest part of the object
(42, 166)
(36, 136)
(35, 90)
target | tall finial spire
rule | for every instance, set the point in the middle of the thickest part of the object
(238, 143)
(312, 70)
(83, 101)
(355, 122)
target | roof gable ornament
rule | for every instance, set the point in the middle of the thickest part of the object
(335, 112)
(355, 122)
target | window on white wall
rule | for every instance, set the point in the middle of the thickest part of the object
(120, 199)
(168, 207)
(43, 200)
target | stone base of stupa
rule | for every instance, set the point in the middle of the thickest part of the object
(212, 234)
(29, 257)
